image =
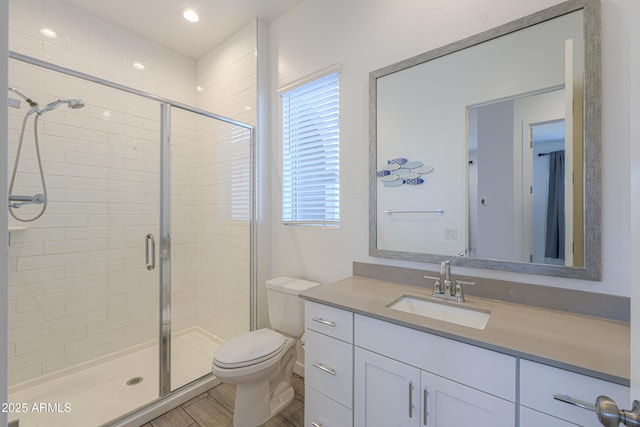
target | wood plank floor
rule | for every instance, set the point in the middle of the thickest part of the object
(215, 409)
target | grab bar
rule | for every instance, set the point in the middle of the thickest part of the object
(437, 212)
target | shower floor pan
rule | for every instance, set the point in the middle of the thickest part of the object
(102, 392)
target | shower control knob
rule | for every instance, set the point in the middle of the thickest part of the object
(39, 199)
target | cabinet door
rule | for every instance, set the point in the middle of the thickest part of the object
(386, 392)
(452, 404)
(531, 418)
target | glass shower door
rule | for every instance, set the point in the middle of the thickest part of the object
(83, 297)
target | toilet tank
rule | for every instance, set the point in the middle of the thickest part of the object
(286, 309)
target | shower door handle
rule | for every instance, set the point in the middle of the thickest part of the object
(150, 260)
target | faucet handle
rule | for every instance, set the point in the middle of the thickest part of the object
(460, 290)
(436, 284)
(465, 282)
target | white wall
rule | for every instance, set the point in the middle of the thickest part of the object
(367, 35)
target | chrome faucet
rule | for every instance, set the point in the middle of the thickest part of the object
(448, 292)
(445, 268)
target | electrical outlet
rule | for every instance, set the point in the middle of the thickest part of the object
(450, 233)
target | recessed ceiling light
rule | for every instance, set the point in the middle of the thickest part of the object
(199, 88)
(190, 15)
(49, 33)
(138, 66)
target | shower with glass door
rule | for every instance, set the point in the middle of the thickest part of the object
(132, 215)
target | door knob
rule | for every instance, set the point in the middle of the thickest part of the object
(610, 416)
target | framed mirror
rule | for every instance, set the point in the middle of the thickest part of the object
(487, 151)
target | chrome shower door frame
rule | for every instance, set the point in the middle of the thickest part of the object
(165, 250)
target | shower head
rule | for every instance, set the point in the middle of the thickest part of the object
(71, 103)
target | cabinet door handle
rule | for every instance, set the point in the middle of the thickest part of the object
(575, 402)
(325, 369)
(314, 424)
(324, 322)
(410, 399)
(424, 406)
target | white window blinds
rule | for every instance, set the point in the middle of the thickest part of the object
(311, 153)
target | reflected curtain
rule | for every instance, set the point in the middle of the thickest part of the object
(554, 247)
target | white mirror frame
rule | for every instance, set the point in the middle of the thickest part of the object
(591, 143)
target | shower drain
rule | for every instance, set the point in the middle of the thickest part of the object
(135, 380)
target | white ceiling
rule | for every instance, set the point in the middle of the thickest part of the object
(162, 21)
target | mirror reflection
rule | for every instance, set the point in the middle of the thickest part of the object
(478, 151)
(538, 202)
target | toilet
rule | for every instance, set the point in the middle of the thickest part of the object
(260, 363)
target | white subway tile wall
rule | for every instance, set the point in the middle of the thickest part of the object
(78, 287)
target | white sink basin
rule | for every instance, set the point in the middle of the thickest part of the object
(458, 314)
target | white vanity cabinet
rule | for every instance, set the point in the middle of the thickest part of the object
(365, 372)
(404, 377)
(540, 383)
(328, 367)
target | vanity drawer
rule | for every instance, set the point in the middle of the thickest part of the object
(328, 367)
(329, 320)
(539, 383)
(319, 410)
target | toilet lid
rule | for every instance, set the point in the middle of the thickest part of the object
(249, 349)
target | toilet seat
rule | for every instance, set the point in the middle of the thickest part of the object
(249, 349)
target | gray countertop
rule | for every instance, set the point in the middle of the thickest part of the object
(587, 345)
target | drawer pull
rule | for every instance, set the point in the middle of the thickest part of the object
(314, 424)
(575, 402)
(324, 322)
(325, 369)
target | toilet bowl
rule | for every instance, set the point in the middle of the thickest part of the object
(260, 363)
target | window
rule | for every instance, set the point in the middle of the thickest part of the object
(311, 152)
